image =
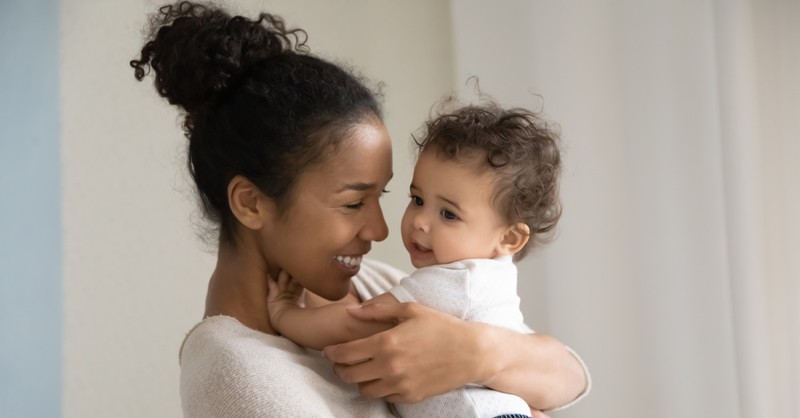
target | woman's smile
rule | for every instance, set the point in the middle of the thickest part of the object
(351, 264)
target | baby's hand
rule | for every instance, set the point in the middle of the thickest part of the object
(284, 294)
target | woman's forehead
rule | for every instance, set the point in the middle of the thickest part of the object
(361, 161)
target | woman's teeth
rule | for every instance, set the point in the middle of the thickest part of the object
(348, 260)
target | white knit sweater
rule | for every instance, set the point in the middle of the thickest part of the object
(229, 370)
(232, 371)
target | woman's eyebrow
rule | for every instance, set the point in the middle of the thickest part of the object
(357, 187)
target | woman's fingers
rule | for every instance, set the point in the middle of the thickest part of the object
(352, 352)
(383, 312)
(356, 373)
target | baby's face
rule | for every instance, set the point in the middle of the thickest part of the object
(450, 216)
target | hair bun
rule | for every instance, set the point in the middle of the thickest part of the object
(197, 52)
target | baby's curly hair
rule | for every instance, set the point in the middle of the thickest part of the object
(520, 149)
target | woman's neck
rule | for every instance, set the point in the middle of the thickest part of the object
(238, 286)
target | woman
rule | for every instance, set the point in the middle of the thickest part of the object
(290, 157)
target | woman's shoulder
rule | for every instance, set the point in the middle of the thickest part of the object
(217, 335)
(228, 369)
(220, 364)
(220, 346)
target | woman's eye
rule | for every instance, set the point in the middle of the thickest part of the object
(450, 216)
(355, 205)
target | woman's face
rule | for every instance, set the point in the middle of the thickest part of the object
(334, 214)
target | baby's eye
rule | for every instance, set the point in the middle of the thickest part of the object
(417, 200)
(450, 216)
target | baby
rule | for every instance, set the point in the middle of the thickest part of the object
(484, 191)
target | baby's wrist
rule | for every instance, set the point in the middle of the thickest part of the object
(275, 312)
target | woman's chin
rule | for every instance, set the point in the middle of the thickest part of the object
(333, 294)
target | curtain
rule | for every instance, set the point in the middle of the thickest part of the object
(676, 270)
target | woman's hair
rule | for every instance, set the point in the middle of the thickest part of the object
(256, 102)
(518, 147)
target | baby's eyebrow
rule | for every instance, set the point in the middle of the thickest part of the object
(449, 201)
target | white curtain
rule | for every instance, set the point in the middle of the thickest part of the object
(676, 273)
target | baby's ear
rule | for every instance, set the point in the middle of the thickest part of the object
(515, 237)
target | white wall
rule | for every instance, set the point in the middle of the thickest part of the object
(677, 243)
(134, 271)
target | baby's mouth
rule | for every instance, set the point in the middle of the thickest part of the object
(420, 248)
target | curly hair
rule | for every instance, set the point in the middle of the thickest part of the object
(519, 147)
(256, 103)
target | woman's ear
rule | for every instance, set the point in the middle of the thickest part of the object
(515, 237)
(248, 204)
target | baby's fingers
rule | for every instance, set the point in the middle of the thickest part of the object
(295, 287)
(284, 279)
(272, 287)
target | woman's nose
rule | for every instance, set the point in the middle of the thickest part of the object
(376, 228)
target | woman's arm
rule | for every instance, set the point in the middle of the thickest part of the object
(429, 353)
(536, 367)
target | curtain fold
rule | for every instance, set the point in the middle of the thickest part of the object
(677, 267)
(777, 56)
(737, 94)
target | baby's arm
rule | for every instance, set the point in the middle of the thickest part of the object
(316, 327)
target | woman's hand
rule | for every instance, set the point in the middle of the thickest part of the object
(427, 353)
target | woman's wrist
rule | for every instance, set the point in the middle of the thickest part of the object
(536, 367)
(487, 364)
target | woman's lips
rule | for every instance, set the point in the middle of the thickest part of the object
(350, 264)
(349, 260)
